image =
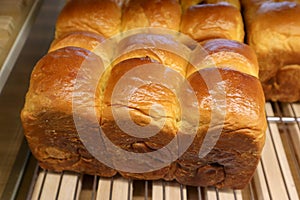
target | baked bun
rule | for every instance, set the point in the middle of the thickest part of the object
(47, 115)
(210, 21)
(98, 16)
(224, 53)
(274, 34)
(162, 48)
(233, 89)
(188, 3)
(151, 13)
(232, 161)
(83, 39)
(136, 104)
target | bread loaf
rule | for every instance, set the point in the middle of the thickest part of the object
(226, 54)
(243, 93)
(151, 13)
(48, 118)
(162, 48)
(209, 21)
(163, 109)
(93, 42)
(86, 40)
(98, 16)
(273, 32)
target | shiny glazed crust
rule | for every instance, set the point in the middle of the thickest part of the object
(48, 114)
(83, 39)
(98, 16)
(224, 53)
(151, 13)
(233, 160)
(48, 118)
(210, 21)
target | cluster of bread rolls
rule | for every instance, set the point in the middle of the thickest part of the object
(232, 103)
(273, 31)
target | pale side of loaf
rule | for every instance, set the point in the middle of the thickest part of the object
(273, 31)
(232, 161)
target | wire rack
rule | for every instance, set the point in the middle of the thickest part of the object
(277, 175)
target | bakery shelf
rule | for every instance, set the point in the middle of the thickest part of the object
(19, 16)
(36, 34)
(277, 176)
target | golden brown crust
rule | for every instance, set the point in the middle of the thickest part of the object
(93, 42)
(242, 137)
(162, 48)
(82, 39)
(284, 86)
(98, 16)
(188, 3)
(47, 115)
(209, 21)
(273, 32)
(138, 105)
(224, 53)
(151, 13)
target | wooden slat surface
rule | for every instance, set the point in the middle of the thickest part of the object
(283, 163)
(238, 194)
(38, 185)
(49, 187)
(157, 190)
(272, 171)
(294, 110)
(291, 132)
(260, 183)
(173, 191)
(226, 194)
(69, 184)
(120, 189)
(211, 193)
(104, 189)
